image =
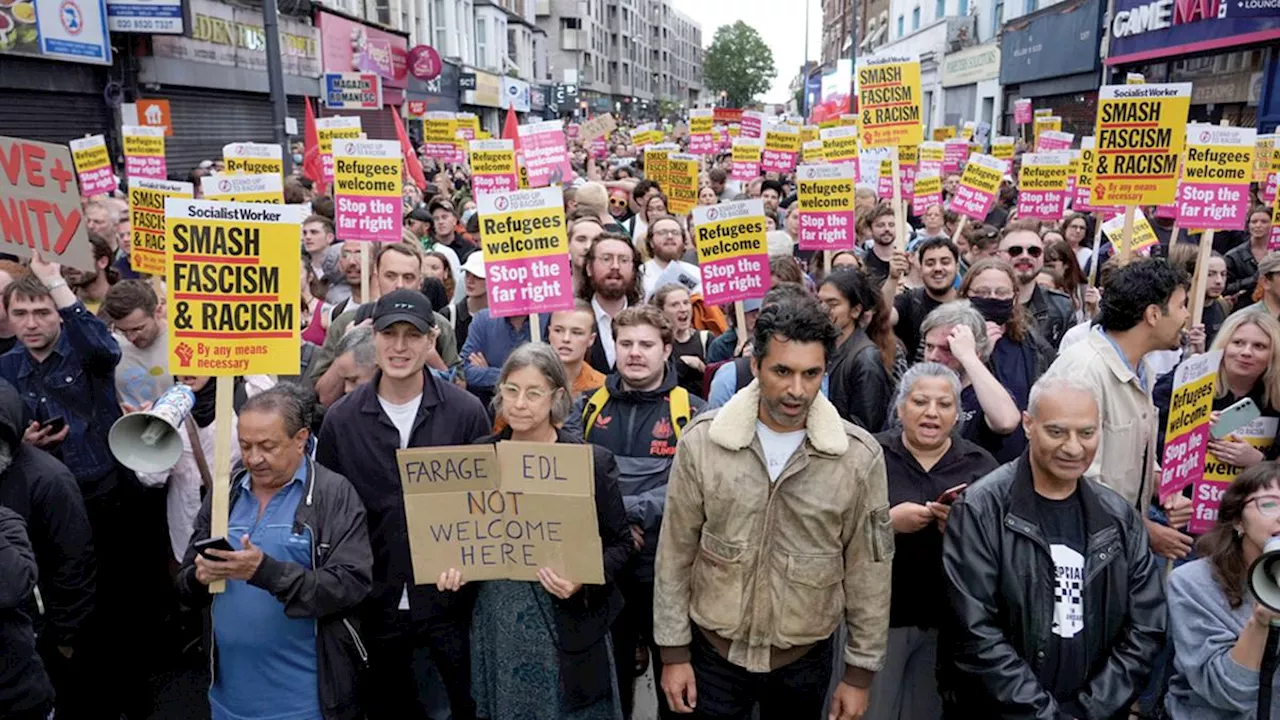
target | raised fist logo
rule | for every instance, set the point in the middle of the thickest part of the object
(184, 353)
(1100, 191)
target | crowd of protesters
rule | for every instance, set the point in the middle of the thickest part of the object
(912, 481)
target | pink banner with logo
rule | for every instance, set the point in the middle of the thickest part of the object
(1051, 140)
(526, 252)
(954, 153)
(1022, 111)
(1213, 193)
(599, 148)
(366, 190)
(825, 199)
(978, 187)
(546, 158)
(733, 254)
(752, 125)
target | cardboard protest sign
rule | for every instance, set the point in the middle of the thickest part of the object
(889, 101)
(501, 512)
(93, 165)
(839, 144)
(781, 148)
(1002, 147)
(944, 133)
(954, 154)
(147, 223)
(40, 203)
(439, 135)
(1187, 432)
(811, 152)
(546, 155)
(746, 159)
(144, 152)
(1042, 186)
(682, 183)
(493, 167)
(600, 126)
(732, 251)
(752, 124)
(253, 158)
(526, 252)
(1022, 111)
(825, 198)
(260, 188)
(1140, 135)
(1206, 495)
(232, 284)
(978, 187)
(334, 128)
(1214, 191)
(1144, 236)
(366, 190)
(1051, 140)
(928, 192)
(701, 139)
(1042, 124)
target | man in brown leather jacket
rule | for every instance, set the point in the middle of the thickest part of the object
(776, 531)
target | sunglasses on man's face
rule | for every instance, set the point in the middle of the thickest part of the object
(618, 203)
(1016, 250)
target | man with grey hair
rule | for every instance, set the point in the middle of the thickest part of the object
(955, 335)
(356, 362)
(1031, 525)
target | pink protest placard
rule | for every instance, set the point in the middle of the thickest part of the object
(781, 148)
(1022, 111)
(702, 135)
(526, 252)
(545, 156)
(1042, 186)
(746, 159)
(752, 125)
(1213, 193)
(493, 167)
(93, 165)
(825, 197)
(977, 190)
(954, 153)
(144, 152)
(1219, 474)
(732, 252)
(1051, 140)
(599, 148)
(366, 190)
(928, 192)
(1187, 430)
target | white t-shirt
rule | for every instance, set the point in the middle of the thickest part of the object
(654, 276)
(402, 416)
(143, 373)
(778, 447)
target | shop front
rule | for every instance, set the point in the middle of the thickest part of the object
(484, 99)
(349, 45)
(440, 93)
(1231, 62)
(216, 79)
(1051, 57)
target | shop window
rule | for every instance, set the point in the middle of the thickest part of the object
(915, 19)
(941, 10)
(901, 32)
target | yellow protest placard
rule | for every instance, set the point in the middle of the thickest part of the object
(889, 101)
(330, 129)
(1144, 236)
(781, 148)
(1264, 151)
(93, 165)
(808, 133)
(1141, 132)
(1044, 112)
(440, 135)
(526, 252)
(1187, 430)
(849, 120)
(732, 251)
(1044, 123)
(253, 158)
(260, 188)
(811, 152)
(232, 287)
(144, 152)
(932, 153)
(655, 162)
(966, 131)
(682, 183)
(944, 133)
(1002, 147)
(146, 221)
(839, 144)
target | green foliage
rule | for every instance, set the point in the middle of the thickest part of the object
(738, 63)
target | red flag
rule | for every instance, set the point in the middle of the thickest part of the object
(411, 163)
(511, 128)
(312, 166)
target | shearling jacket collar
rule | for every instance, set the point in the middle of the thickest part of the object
(734, 426)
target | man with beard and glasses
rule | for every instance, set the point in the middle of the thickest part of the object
(939, 262)
(666, 242)
(91, 286)
(611, 283)
(1021, 247)
(776, 530)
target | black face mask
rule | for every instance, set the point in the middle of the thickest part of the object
(993, 309)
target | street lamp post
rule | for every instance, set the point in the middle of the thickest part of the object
(275, 80)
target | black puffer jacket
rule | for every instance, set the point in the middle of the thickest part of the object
(23, 684)
(860, 386)
(1000, 583)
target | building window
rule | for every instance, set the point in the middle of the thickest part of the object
(997, 17)
(915, 19)
(901, 31)
(941, 9)
(964, 7)
(1030, 6)
(482, 42)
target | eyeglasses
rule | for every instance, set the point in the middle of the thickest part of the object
(1268, 506)
(670, 232)
(618, 203)
(1033, 250)
(997, 293)
(512, 393)
(621, 260)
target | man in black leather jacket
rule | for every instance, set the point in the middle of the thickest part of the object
(1021, 247)
(1057, 607)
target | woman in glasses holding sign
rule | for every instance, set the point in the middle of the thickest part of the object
(544, 652)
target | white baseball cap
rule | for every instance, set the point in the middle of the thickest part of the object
(474, 264)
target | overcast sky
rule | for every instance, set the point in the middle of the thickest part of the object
(780, 26)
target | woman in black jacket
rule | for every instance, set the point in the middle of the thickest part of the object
(544, 653)
(927, 466)
(860, 385)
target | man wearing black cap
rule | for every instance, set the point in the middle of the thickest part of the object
(403, 406)
(419, 222)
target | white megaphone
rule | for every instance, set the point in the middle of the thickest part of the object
(148, 441)
(1264, 575)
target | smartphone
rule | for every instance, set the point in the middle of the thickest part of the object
(949, 496)
(218, 543)
(1233, 418)
(54, 425)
